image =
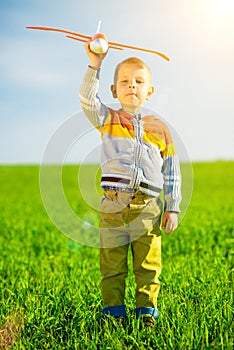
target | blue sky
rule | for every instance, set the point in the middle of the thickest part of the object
(41, 71)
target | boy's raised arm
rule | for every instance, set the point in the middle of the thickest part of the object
(88, 94)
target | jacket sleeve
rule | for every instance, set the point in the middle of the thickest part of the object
(171, 175)
(172, 183)
(94, 109)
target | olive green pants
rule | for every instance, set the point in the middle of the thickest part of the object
(130, 220)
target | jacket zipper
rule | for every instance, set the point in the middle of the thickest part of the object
(137, 152)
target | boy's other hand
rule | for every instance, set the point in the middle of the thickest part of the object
(95, 58)
(169, 221)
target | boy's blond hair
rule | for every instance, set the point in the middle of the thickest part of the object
(131, 60)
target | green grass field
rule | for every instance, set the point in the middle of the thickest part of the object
(49, 285)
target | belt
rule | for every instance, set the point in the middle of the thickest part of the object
(127, 182)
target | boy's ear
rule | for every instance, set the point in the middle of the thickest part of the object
(150, 93)
(113, 90)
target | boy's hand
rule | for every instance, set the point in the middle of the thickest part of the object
(95, 58)
(169, 221)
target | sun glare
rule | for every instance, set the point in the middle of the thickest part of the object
(222, 7)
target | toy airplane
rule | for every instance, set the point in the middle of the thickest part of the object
(99, 43)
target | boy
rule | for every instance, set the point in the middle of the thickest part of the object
(138, 161)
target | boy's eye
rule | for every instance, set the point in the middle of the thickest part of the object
(139, 81)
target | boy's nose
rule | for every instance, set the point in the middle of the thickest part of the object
(132, 84)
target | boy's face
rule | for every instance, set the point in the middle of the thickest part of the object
(133, 86)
